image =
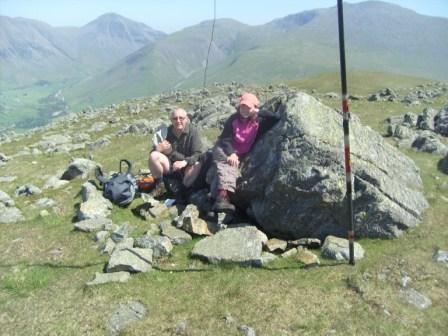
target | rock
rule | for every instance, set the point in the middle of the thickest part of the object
(246, 330)
(125, 315)
(130, 260)
(161, 246)
(289, 253)
(78, 167)
(101, 236)
(51, 141)
(45, 203)
(425, 120)
(94, 205)
(441, 121)
(312, 243)
(5, 199)
(177, 237)
(120, 233)
(267, 257)
(416, 299)
(307, 257)
(54, 183)
(108, 247)
(102, 278)
(275, 244)
(293, 180)
(27, 190)
(337, 248)
(93, 224)
(189, 221)
(10, 214)
(444, 164)
(428, 142)
(441, 257)
(238, 245)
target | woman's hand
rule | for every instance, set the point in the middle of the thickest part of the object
(178, 165)
(233, 160)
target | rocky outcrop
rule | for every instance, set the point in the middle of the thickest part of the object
(293, 182)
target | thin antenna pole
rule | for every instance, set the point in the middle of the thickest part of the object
(210, 45)
(345, 123)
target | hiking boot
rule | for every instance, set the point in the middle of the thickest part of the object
(223, 205)
(159, 189)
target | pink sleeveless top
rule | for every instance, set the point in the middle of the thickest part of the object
(244, 134)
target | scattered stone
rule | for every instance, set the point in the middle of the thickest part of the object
(177, 237)
(126, 243)
(289, 253)
(160, 245)
(93, 224)
(109, 246)
(189, 221)
(267, 257)
(238, 245)
(130, 260)
(94, 205)
(27, 190)
(337, 248)
(102, 278)
(276, 245)
(101, 236)
(307, 257)
(5, 199)
(246, 330)
(54, 183)
(45, 203)
(10, 215)
(311, 243)
(441, 257)
(181, 328)
(415, 298)
(125, 315)
(121, 233)
(78, 167)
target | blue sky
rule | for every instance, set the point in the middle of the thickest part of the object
(172, 15)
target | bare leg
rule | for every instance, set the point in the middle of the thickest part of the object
(158, 164)
(191, 173)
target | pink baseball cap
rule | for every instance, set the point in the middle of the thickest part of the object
(250, 100)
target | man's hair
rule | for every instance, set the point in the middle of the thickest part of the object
(178, 109)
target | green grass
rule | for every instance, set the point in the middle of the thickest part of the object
(358, 82)
(44, 293)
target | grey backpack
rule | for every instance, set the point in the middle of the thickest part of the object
(120, 187)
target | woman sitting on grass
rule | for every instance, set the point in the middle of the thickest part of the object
(236, 140)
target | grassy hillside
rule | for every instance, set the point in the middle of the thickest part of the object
(44, 264)
(358, 82)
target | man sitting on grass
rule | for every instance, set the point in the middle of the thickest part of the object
(178, 153)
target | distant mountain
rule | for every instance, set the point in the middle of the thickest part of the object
(379, 37)
(31, 50)
(111, 37)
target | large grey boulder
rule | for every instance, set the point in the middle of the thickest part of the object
(293, 181)
(239, 245)
(77, 167)
(441, 121)
(93, 205)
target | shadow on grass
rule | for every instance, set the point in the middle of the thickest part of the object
(51, 265)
